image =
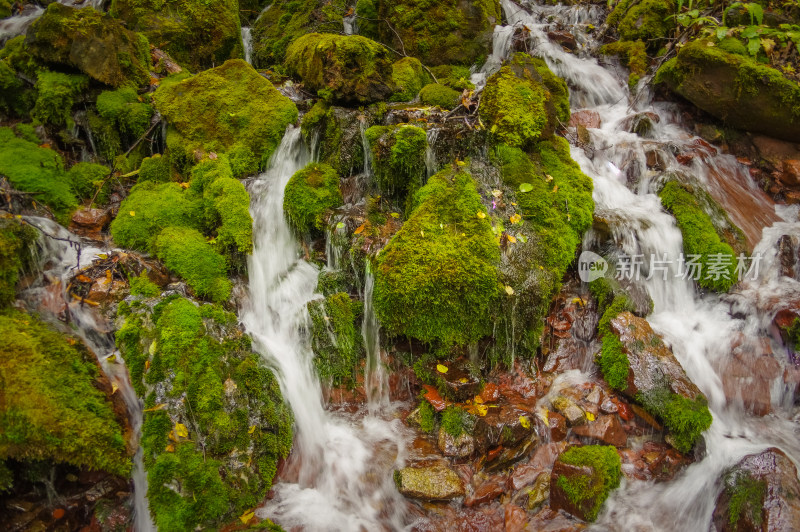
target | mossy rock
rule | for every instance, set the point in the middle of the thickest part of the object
(196, 33)
(645, 20)
(54, 406)
(94, 43)
(582, 479)
(309, 194)
(633, 54)
(445, 32)
(338, 132)
(249, 10)
(440, 96)
(16, 239)
(437, 278)
(16, 97)
(524, 102)
(56, 94)
(215, 423)
(736, 89)
(88, 181)
(287, 20)
(457, 77)
(408, 76)
(37, 171)
(336, 338)
(347, 70)
(398, 158)
(186, 252)
(230, 108)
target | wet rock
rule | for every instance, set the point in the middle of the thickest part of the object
(433, 483)
(582, 478)
(761, 493)
(642, 124)
(487, 491)
(568, 408)
(606, 429)
(515, 518)
(460, 382)
(586, 118)
(507, 426)
(564, 38)
(90, 222)
(655, 160)
(749, 374)
(787, 255)
(540, 491)
(557, 425)
(460, 447)
(490, 393)
(543, 459)
(134, 265)
(105, 289)
(791, 173)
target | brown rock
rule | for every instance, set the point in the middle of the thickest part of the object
(488, 491)
(459, 382)
(503, 426)
(90, 222)
(791, 173)
(606, 429)
(558, 497)
(570, 410)
(564, 38)
(516, 518)
(586, 118)
(490, 393)
(460, 447)
(104, 289)
(557, 425)
(433, 483)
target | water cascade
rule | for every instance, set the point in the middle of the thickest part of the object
(247, 43)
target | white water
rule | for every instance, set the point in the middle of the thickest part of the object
(340, 465)
(699, 328)
(63, 260)
(247, 43)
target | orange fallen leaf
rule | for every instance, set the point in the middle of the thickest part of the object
(433, 397)
(359, 229)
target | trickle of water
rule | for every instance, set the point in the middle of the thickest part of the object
(376, 380)
(247, 42)
(363, 126)
(340, 465)
(431, 164)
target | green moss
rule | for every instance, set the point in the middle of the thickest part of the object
(95, 43)
(238, 426)
(51, 408)
(559, 92)
(746, 498)
(186, 252)
(408, 76)
(633, 54)
(56, 94)
(309, 194)
(336, 339)
(398, 154)
(440, 95)
(456, 77)
(85, 180)
(453, 421)
(349, 70)
(37, 171)
(686, 419)
(590, 492)
(645, 20)
(228, 108)
(733, 46)
(437, 277)
(142, 286)
(124, 109)
(700, 238)
(16, 239)
(27, 132)
(614, 362)
(155, 169)
(152, 207)
(228, 209)
(198, 34)
(427, 416)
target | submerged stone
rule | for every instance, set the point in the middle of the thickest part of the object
(432, 483)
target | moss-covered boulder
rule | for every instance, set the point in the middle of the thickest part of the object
(408, 76)
(336, 338)
(231, 109)
(348, 70)
(582, 478)
(93, 42)
(186, 252)
(398, 158)
(636, 362)
(215, 423)
(16, 239)
(524, 102)
(647, 20)
(437, 277)
(197, 34)
(56, 94)
(53, 405)
(446, 32)
(736, 89)
(440, 96)
(287, 20)
(338, 132)
(309, 194)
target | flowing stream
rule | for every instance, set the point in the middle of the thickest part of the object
(339, 474)
(700, 328)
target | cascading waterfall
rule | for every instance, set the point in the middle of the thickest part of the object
(247, 43)
(376, 381)
(338, 476)
(63, 260)
(698, 327)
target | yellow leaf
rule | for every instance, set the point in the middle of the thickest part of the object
(247, 516)
(422, 233)
(114, 388)
(111, 358)
(589, 416)
(359, 229)
(170, 448)
(515, 218)
(509, 290)
(481, 215)
(525, 422)
(162, 406)
(184, 185)
(481, 410)
(555, 189)
(460, 163)
(497, 193)
(463, 380)
(512, 239)
(549, 177)
(252, 429)
(478, 400)
(441, 368)
(181, 431)
(395, 215)
(133, 213)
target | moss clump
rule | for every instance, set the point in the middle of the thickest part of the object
(229, 108)
(335, 338)
(51, 407)
(408, 76)
(56, 94)
(309, 194)
(645, 20)
(589, 493)
(123, 108)
(746, 498)
(196, 362)
(398, 154)
(196, 33)
(440, 96)
(155, 169)
(143, 286)
(38, 171)
(613, 361)
(700, 238)
(454, 421)
(685, 418)
(227, 207)
(151, 208)
(97, 44)
(437, 278)
(446, 32)
(16, 239)
(86, 179)
(633, 54)
(186, 252)
(523, 102)
(456, 77)
(427, 416)
(348, 70)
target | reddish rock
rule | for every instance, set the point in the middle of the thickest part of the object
(460, 447)
(490, 393)
(515, 518)
(488, 491)
(564, 38)
(458, 381)
(791, 173)
(785, 318)
(90, 222)
(606, 429)
(685, 158)
(586, 118)
(503, 426)
(558, 497)
(104, 289)
(654, 160)
(557, 425)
